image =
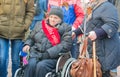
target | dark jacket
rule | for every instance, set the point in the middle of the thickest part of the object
(40, 43)
(112, 1)
(107, 48)
(117, 4)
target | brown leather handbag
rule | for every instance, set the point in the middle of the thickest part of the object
(84, 66)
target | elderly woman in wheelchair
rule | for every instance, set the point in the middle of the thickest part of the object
(48, 39)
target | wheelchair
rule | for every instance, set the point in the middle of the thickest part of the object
(20, 71)
(62, 67)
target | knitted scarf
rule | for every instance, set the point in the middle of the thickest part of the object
(92, 5)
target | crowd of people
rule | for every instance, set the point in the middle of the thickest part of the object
(55, 26)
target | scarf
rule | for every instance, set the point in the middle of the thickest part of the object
(51, 33)
(92, 6)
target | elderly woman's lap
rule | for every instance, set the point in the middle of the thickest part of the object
(45, 66)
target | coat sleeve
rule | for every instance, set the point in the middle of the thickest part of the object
(110, 18)
(64, 46)
(79, 16)
(30, 40)
(29, 13)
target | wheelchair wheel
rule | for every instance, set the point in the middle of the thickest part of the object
(66, 67)
(67, 74)
(19, 73)
(49, 74)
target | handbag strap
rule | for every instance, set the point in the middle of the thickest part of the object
(94, 58)
(84, 48)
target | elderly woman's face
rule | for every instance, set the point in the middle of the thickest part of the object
(53, 20)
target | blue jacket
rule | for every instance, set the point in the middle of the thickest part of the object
(41, 7)
(69, 15)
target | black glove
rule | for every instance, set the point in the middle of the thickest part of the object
(45, 55)
(39, 55)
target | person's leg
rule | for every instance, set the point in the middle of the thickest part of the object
(45, 66)
(75, 49)
(30, 68)
(4, 50)
(15, 49)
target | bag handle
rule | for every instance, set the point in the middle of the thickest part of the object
(94, 58)
(83, 53)
(84, 48)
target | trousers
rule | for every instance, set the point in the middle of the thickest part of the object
(5, 46)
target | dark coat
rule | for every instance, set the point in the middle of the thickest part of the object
(108, 48)
(40, 43)
(117, 4)
(112, 1)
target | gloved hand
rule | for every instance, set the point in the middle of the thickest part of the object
(39, 55)
(45, 55)
(36, 55)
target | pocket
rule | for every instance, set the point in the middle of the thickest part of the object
(3, 20)
(19, 20)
